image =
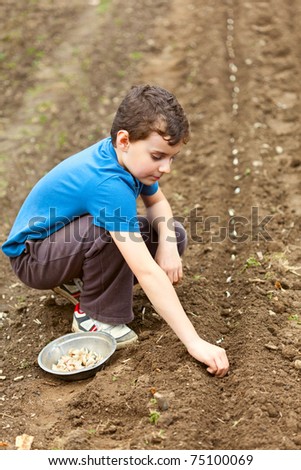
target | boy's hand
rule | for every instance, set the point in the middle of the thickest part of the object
(213, 356)
(170, 261)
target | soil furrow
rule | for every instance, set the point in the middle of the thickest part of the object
(257, 330)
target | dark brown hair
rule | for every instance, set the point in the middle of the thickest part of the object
(146, 109)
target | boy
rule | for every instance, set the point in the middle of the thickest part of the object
(80, 223)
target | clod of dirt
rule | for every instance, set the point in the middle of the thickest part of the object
(295, 162)
(289, 352)
(162, 401)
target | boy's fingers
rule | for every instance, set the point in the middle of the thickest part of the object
(178, 276)
(217, 372)
(219, 367)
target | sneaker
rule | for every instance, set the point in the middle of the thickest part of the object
(122, 333)
(70, 291)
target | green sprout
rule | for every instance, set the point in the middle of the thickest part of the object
(135, 55)
(92, 431)
(270, 295)
(154, 416)
(251, 262)
(103, 6)
(294, 317)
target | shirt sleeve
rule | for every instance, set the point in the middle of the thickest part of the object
(113, 206)
(149, 190)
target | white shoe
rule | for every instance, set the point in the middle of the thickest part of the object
(122, 333)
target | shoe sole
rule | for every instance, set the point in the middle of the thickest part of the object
(65, 294)
(119, 345)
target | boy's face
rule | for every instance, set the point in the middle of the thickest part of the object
(147, 160)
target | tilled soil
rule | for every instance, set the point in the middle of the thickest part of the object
(235, 67)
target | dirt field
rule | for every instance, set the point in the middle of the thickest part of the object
(235, 67)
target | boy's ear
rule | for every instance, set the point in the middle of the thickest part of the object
(122, 140)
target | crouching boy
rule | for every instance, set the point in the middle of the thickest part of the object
(79, 234)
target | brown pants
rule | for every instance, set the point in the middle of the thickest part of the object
(81, 249)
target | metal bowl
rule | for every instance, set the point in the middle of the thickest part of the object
(99, 342)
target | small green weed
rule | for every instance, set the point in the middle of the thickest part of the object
(103, 6)
(136, 55)
(270, 295)
(62, 139)
(121, 73)
(154, 417)
(92, 431)
(251, 262)
(43, 119)
(294, 317)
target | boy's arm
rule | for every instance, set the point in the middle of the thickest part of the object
(159, 214)
(163, 297)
